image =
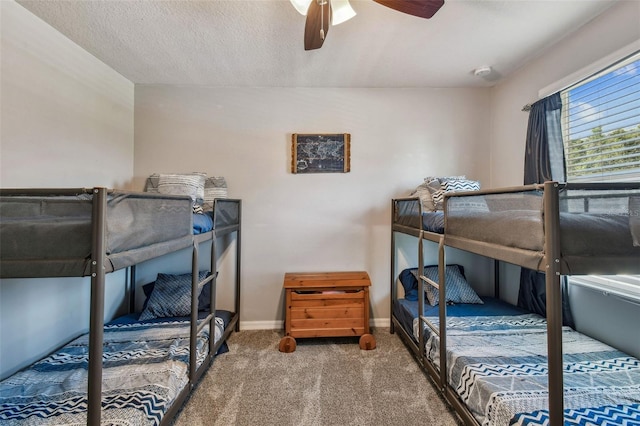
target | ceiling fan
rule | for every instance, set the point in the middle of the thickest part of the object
(320, 12)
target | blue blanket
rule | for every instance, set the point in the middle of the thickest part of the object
(145, 366)
(498, 367)
(433, 222)
(202, 222)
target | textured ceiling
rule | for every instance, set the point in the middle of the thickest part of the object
(260, 42)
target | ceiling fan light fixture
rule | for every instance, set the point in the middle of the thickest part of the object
(341, 11)
(302, 6)
(320, 13)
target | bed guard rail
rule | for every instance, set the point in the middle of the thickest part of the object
(425, 319)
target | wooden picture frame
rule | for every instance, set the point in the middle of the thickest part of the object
(320, 153)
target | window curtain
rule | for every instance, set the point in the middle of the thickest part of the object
(543, 161)
(544, 156)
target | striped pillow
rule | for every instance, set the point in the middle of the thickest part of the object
(151, 185)
(458, 289)
(171, 296)
(461, 185)
(214, 187)
(183, 184)
(453, 186)
(425, 192)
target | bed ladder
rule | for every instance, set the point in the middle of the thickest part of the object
(441, 330)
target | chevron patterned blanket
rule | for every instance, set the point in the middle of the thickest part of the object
(145, 366)
(498, 367)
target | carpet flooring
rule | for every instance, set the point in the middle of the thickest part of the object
(327, 381)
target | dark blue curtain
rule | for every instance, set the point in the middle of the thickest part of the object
(543, 161)
(544, 156)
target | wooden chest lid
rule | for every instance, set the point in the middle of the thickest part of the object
(326, 279)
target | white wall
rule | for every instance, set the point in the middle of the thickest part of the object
(613, 30)
(317, 222)
(67, 121)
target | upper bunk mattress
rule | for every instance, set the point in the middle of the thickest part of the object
(49, 236)
(599, 228)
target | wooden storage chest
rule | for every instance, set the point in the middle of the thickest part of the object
(326, 304)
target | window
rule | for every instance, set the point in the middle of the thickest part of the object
(601, 125)
(601, 133)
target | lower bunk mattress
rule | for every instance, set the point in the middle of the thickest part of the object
(145, 367)
(497, 365)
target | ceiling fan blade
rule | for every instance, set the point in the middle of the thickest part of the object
(317, 25)
(420, 8)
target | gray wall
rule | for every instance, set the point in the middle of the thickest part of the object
(67, 121)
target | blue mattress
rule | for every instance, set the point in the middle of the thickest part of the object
(225, 316)
(433, 221)
(133, 318)
(145, 366)
(497, 365)
(406, 310)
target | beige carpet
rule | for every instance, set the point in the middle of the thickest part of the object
(324, 382)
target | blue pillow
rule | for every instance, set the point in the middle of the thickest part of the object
(203, 299)
(410, 285)
(458, 289)
(409, 280)
(170, 296)
(205, 296)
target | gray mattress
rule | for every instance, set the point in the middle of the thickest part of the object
(599, 230)
(49, 236)
(582, 234)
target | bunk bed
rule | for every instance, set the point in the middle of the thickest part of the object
(131, 370)
(559, 229)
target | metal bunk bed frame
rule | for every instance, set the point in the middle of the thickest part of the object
(551, 264)
(98, 274)
(418, 349)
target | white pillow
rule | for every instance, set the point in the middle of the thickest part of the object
(183, 184)
(425, 191)
(214, 187)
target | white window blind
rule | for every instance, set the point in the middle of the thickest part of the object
(601, 134)
(601, 124)
(624, 286)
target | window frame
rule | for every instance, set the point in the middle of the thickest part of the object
(625, 287)
(613, 176)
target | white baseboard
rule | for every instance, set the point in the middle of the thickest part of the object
(380, 322)
(279, 325)
(261, 325)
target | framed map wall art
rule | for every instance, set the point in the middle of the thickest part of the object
(321, 153)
